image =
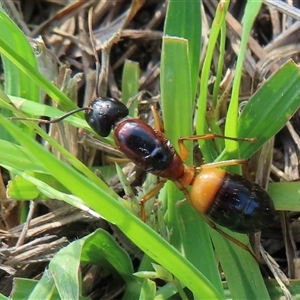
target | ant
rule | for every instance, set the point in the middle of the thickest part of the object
(227, 199)
(220, 197)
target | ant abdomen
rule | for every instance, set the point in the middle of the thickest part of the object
(232, 201)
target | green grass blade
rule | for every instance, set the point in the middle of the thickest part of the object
(270, 107)
(241, 270)
(22, 289)
(277, 99)
(16, 82)
(99, 246)
(9, 152)
(44, 289)
(220, 65)
(177, 105)
(285, 195)
(62, 100)
(130, 85)
(63, 268)
(148, 290)
(40, 109)
(176, 102)
(231, 129)
(180, 15)
(232, 258)
(207, 147)
(179, 78)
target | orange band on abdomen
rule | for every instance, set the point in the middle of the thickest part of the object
(205, 187)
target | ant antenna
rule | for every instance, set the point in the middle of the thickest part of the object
(56, 120)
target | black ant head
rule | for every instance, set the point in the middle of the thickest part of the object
(104, 113)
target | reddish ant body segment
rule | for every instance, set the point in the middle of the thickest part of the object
(222, 197)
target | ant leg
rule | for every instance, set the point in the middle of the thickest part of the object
(152, 193)
(158, 125)
(220, 231)
(219, 164)
(116, 160)
(184, 151)
(137, 97)
(230, 238)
